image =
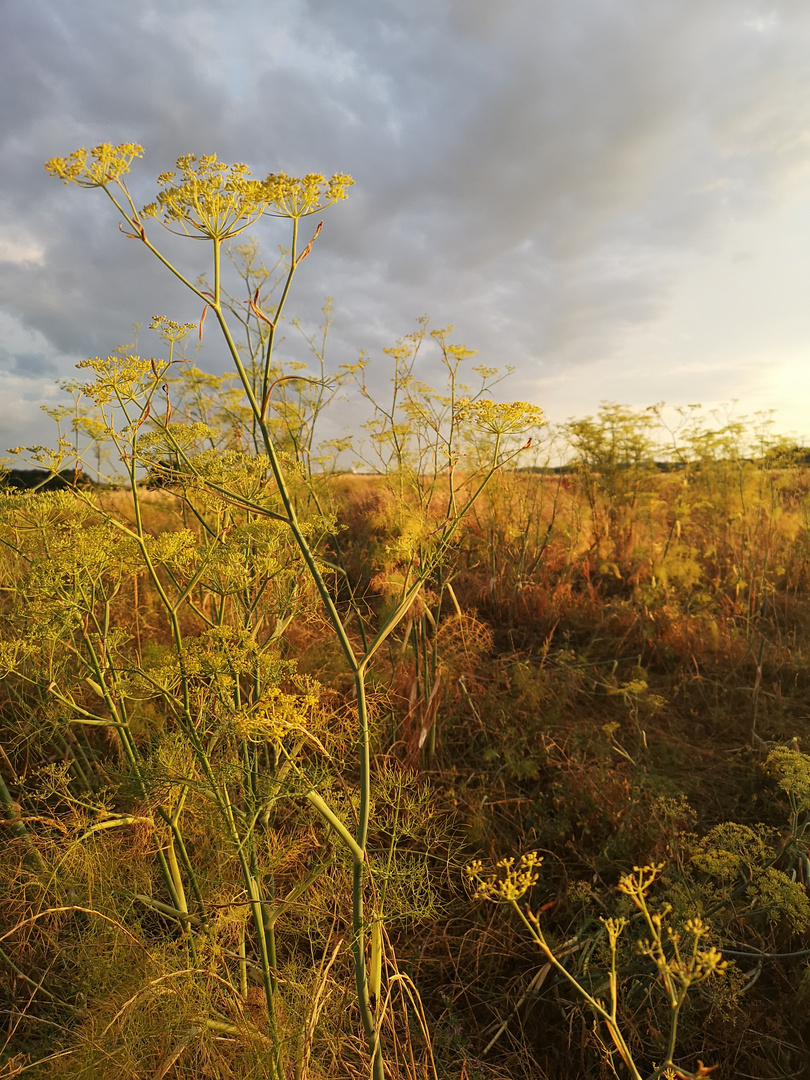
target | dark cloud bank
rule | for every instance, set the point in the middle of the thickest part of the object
(547, 177)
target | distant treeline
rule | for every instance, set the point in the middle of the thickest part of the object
(43, 480)
(164, 473)
(780, 458)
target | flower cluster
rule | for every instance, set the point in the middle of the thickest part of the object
(793, 771)
(509, 882)
(217, 201)
(296, 198)
(635, 885)
(211, 199)
(507, 418)
(689, 966)
(105, 164)
(121, 378)
(169, 330)
(205, 197)
(677, 966)
(277, 713)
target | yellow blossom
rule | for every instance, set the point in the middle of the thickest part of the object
(509, 882)
(105, 164)
(508, 418)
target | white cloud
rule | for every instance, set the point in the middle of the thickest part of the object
(19, 249)
(16, 338)
(762, 23)
(22, 422)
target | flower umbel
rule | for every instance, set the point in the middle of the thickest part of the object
(509, 882)
(635, 885)
(502, 418)
(215, 201)
(169, 330)
(296, 198)
(209, 200)
(104, 164)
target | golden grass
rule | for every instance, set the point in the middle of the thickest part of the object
(605, 680)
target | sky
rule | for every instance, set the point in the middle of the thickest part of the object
(613, 196)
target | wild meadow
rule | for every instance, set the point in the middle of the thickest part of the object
(460, 749)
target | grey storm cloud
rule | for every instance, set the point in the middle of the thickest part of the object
(543, 175)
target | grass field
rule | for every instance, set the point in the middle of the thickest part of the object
(608, 671)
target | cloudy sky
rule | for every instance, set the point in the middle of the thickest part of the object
(611, 195)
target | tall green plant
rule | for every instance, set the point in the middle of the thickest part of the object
(249, 508)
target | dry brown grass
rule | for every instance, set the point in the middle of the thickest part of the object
(620, 666)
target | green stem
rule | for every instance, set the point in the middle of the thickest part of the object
(608, 1017)
(12, 812)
